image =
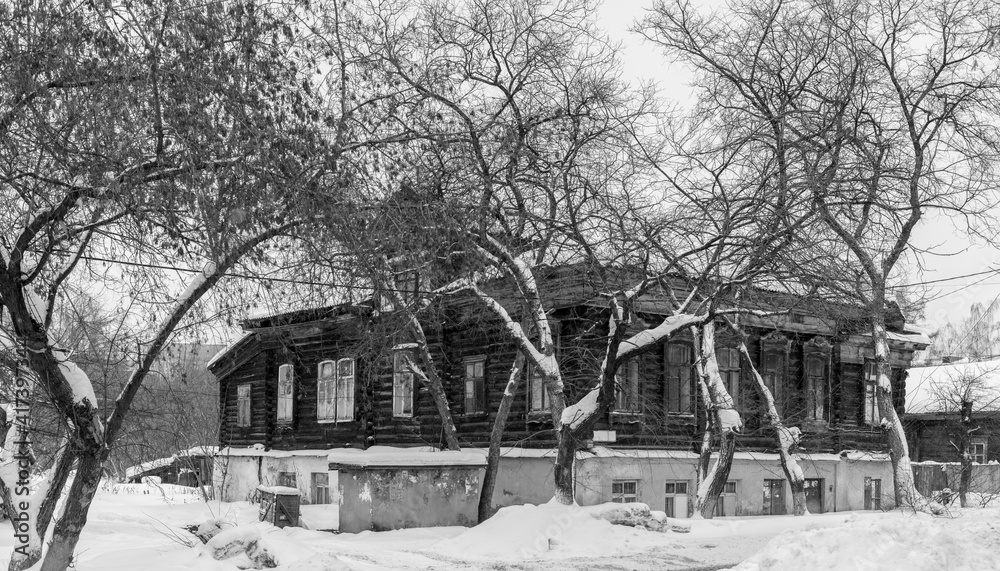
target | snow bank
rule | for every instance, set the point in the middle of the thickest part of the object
(914, 542)
(549, 530)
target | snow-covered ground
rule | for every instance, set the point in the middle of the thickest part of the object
(130, 529)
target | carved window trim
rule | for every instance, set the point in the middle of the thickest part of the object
(776, 343)
(817, 349)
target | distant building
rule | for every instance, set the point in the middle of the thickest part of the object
(939, 397)
(191, 468)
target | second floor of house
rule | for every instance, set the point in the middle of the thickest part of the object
(340, 378)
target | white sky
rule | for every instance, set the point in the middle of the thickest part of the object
(950, 300)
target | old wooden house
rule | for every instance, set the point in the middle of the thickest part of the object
(300, 385)
(950, 404)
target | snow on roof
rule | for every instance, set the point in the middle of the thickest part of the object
(388, 456)
(848, 455)
(134, 471)
(228, 348)
(140, 469)
(940, 388)
(279, 490)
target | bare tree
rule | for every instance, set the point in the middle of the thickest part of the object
(173, 144)
(888, 120)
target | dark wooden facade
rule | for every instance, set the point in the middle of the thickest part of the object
(464, 329)
(938, 436)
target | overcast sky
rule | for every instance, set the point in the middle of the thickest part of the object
(956, 256)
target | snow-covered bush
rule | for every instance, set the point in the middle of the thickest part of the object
(210, 528)
(243, 543)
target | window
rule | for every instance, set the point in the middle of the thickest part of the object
(675, 500)
(977, 450)
(774, 497)
(335, 391)
(815, 388)
(286, 393)
(627, 387)
(624, 491)
(813, 488)
(774, 378)
(345, 389)
(873, 493)
(726, 505)
(678, 377)
(287, 479)
(320, 488)
(872, 416)
(729, 369)
(538, 397)
(475, 385)
(402, 382)
(243, 405)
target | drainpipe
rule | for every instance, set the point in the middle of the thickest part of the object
(836, 469)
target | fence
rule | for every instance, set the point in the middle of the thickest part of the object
(933, 477)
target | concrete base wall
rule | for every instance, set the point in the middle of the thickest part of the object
(433, 497)
(380, 499)
(524, 481)
(236, 477)
(529, 480)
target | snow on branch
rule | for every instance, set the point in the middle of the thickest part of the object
(575, 414)
(648, 337)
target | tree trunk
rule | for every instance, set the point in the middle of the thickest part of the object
(965, 478)
(67, 530)
(786, 438)
(496, 437)
(705, 452)
(563, 470)
(585, 413)
(726, 420)
(904, 486)
(715, 481)
(796, 478)
(436, 387)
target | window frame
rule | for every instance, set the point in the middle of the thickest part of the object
(244, 403)
(679, 401)
(624, 497)
(340, 401)
(818, 389)
(285, 404)
(536, 384)
(477, 399)
(670, 494)
(872, 501)
(770, 491)
(627, 389)
(720, 506)
(976, 442)
(319, 484)
(869, 394)
(399, 397)
(731, 375)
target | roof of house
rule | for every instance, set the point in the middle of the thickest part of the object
(576, 285)
(942, 388)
